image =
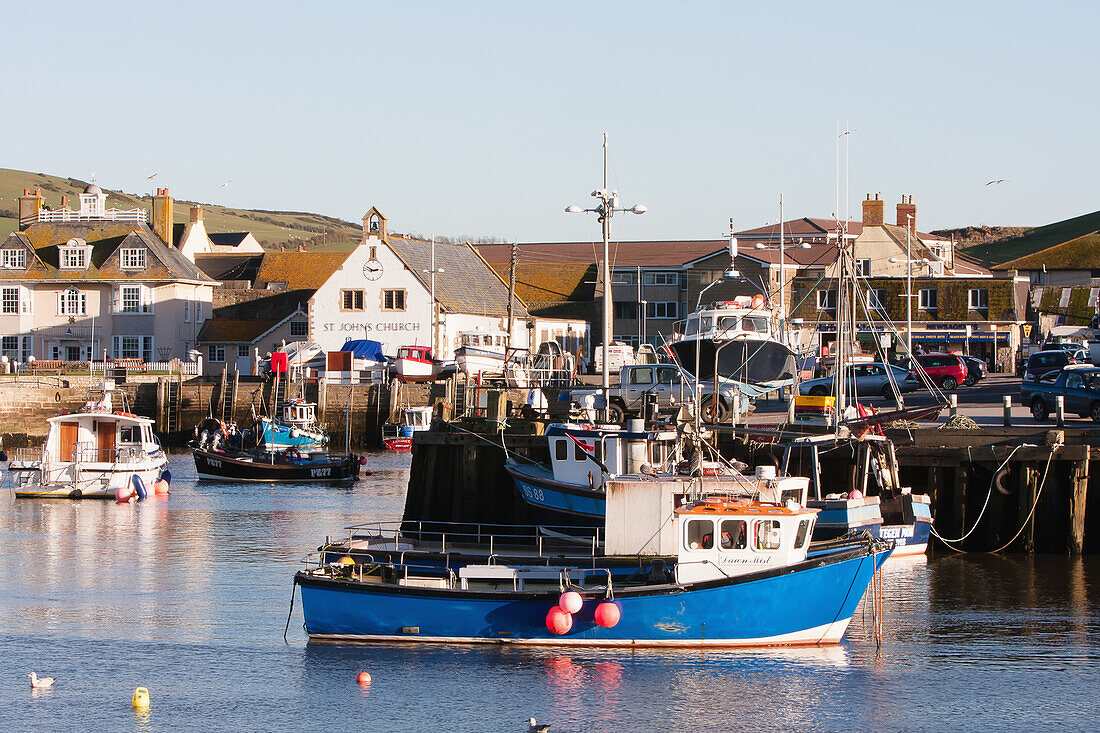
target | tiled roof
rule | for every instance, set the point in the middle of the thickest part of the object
(298, 270)
(469, 285)
(217, 330)
(537, 284)
(622, 254)
(1007, 254)
(106, 239)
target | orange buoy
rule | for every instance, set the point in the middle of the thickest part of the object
(345, 560)
(363, 678)
(570, 601)
(558, 621)
(608, 614)
(160, 487)
(758, 300)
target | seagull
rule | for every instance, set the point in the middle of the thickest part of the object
(40, 684)
(226, 183)
(533, 727)
(999, 180)
(149, 178)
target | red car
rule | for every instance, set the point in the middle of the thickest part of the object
(946, 370)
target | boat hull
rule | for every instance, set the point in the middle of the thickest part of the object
(557, 503)
(94, 483)
(417, 370)
(226, 467)
(750, 361)
(471, 361)
(745, 611)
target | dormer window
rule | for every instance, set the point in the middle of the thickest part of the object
(133, 258)
(74, 254)
(13, 259)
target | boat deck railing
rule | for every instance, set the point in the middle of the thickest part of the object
(456, 536)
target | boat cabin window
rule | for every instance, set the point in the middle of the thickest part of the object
(755, 323)
(767, 534)
(800, 535)
(561, 450)
(693, 325)
(579, 453)
(699, 535)
(733, 535)
(129, 434)
(728, 323)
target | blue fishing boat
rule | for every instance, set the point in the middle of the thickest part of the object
(569, 492)
(742, 575)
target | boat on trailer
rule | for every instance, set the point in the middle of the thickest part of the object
(92, 453)
(740, 573)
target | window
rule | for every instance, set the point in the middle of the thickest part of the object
(74, 258)
(623, 277)
(130, 299)
(826, 300)
(242, 351)
(561, 450)
(129, 434)
(10, 301)
(13, 258)
(198, 311)
(216, 352)
(580, 455)
(133, 258)
(147, 348)
(643, 376)
(9, 345)
(128, 347)
(373, 249)
(979, 299)
(759, 324)
(393, 300)
(298, 329)
(187, 311)
(626, 311)
(800, 535)
(929, 300)
(351, 300)
(73, 303)
(700, 534)
(660, 278)
(662, 309)
(768, 534)
(863, 268)
(875, 299)
(733, 535)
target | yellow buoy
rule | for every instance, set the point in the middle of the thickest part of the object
(141, 698)
(345, 560)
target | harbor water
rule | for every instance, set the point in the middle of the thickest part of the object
(188, 596)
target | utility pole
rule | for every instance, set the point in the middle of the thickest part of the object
(641, 310)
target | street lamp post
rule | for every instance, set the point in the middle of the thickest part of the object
(435, 305)
(909, 262)
(608, 204)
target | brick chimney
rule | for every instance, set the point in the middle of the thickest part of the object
(29, 206)
(874, 211)
(196, 213)
(907, 214)
(162, 215)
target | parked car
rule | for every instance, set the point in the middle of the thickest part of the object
(867, 379)
(1078, 385)
(976, 369)
(946, 370)
(1053, 360)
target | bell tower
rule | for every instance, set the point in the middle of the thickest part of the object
(374, 224)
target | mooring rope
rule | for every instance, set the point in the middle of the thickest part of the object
(992, 481)
(293, 588)
(1034, 504)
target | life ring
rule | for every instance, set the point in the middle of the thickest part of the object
(291, 455)
(56, 396)
(999, 479)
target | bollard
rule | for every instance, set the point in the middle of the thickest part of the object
(954, 404)
(1060, 410)
(1008, 410)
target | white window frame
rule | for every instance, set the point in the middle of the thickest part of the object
(69, 306)
(660, 278)
(186, 311)
(624, 277)
(215, 353)
(144, 303)
(978, 299)
(662, 309)
(79, 259)
(13, 259)
(875, 300)
(925, 298)
(826, 300)
(130, 347)
(9, 301)
(863, 267)
(133, 258)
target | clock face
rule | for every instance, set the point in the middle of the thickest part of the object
(372, 270)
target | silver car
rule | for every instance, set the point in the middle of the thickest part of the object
(865, 379)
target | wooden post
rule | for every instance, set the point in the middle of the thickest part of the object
(1028, 484)
(1079, 484)
(959, 498)
(161, 411)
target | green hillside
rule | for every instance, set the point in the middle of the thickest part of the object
(273, 229)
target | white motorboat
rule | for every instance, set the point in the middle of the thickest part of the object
(416, 364)
(481, 352)
(92, 453)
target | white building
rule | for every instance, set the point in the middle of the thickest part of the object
(95, 282)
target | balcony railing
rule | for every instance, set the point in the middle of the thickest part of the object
(63, 215)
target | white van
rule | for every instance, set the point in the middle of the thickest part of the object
(619, 355)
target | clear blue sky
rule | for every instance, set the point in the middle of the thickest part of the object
(477, 118)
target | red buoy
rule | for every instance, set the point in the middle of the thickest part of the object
(123, 494)
(160, 487)
(570, 601)
(558, 621)
(363, 678)
(608, 614)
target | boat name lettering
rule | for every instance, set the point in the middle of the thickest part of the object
(370, 327)
(315, 472)
(214, 462)
(532, 493)
(894, 533)
(726, 560)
